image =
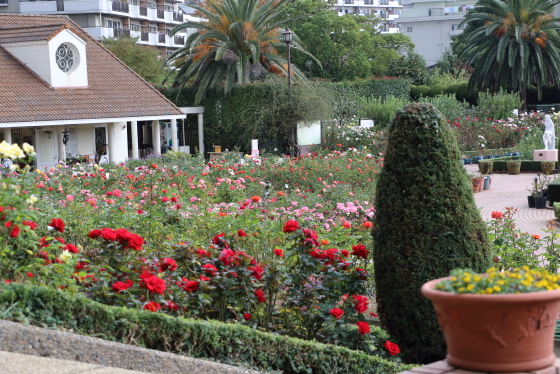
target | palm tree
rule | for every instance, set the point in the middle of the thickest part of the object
(512, 44)
(234, 42)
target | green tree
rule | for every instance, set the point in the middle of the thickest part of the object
(411, 66)
(426, 224)
(512, 44)
(234, 43)
(349, 47)
(144, 60)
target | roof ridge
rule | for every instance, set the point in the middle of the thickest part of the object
(36, 15)
(34, 26)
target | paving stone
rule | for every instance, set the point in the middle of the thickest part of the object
(442, 366)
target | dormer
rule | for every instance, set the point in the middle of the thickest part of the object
(54, 52)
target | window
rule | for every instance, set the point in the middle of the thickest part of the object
(152, 5)
(364, 11)
(111, 24)
(456, 27)
(383, 14)
(152, 29)
(135, 27)
(348, 1)
(67, 57)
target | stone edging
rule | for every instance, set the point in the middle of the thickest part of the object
(36, 341)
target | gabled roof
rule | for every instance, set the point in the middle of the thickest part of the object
(31, 33)
(115, 90)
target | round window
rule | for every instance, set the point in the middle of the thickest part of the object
(67, 57)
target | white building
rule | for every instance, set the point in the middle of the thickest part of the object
(64, 93)
(149, 20)
(431, 24)
(387, 10)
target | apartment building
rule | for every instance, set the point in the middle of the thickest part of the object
(149, 20)
(387, 10)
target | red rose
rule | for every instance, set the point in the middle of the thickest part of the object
(496, 215)
(392, 348)
(57, 224)
(15, 231)
(203, 278)
(168, 263)
(94, 234)
(361, 303)
(209, 268)
(259, 294)
(346, 225)
(30, 274)
(241, 233)
(536, 237)
(71, 248)
(135, 242)
(279, 252)
(247, 316)
(360, 251)
(256, 271)
(218, 239)
(122, 235)
(32, 225)
(191, 286)
(363, 328)
(311, 237)
(362, 273)
(171, 306)
(152, 283)
(226, 256)
(108, 234)
(336, 313)
(121, 286)
(256, 199)
(291, 226)
(152, 306)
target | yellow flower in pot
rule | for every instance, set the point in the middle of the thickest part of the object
(498, 321)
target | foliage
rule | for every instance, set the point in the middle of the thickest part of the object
(226, 343)
(435, 229)
(348, 47)
(448, 105)
(498, 105)
(144, 60)
(511, 45)
(340, 136)
(411, 66)
(235, 42)
(381, 109)
(464, 281)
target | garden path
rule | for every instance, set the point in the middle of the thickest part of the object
(511, 191)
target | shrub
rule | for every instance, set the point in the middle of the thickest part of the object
(436, 90)
(416, 92)
(382, 110)
(462, 94)
(426, 224)
(448, 105)
(227, 343)
(498, 105)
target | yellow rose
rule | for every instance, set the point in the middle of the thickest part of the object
(27, 148)
(64, 256)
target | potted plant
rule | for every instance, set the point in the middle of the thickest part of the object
(547, 166)
(498, 321)
(486, 166)
(514, 167)
(478, 182)
(540, 191)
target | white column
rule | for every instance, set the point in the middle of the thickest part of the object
(174, 137)
(8, 135)
(111, 147)
(156, 139)
(61, 146)
(134, 136)
(201, 133)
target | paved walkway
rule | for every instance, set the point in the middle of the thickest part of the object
(511, 191)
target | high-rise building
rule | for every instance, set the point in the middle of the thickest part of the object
(387, 10)
(149, 20)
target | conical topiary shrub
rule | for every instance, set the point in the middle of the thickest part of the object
(426, 224)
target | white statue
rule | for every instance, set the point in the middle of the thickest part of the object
(549, 135)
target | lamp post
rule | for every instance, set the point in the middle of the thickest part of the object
(288, 37)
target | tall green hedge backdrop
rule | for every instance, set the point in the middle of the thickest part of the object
(266, 110)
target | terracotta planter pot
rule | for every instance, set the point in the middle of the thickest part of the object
(497, 333)
(475, 188)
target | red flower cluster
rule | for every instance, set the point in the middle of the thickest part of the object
(121, 286)
(259, 294)
(291, 226)
(14, 229)
(279, 252)
(188, 285)
(152, 283)
(168, 263)
(209, 268)
(363, 328)
(360, 303)
(392, 348)
(57, 224)
(311, 237)
(152, 306)
(124, 237)
(336, 313)
(360, 251)
(497, 215)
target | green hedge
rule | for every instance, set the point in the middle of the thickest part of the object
(526, 165)
(226, 343)
(554, 192)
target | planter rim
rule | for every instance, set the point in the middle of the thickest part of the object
(429, 291)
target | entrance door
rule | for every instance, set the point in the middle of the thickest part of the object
(47, 148)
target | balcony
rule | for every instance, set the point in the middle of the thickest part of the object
(118, 31)
(144, 11)
(119, 6)
(177, 16)
(160, 14)
(161, 39)
(179, 40)
(3, 2)
(144, 37)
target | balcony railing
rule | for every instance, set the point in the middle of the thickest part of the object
(177, 16)
(3, 2)
(144, 11)
(161, 38)
(134, 2)
(118, 31)
(119, 6)
(160, 14)
(179, 40)
(145, 37)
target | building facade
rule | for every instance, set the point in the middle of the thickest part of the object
(148, 20)
(387, 10)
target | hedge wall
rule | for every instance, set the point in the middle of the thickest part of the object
(526, 165)
(226, 343)
(263, 110)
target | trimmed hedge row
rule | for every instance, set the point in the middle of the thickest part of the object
(554, 192)
(221, 342)
(526, 165)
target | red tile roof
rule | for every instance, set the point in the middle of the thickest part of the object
(115, 90)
